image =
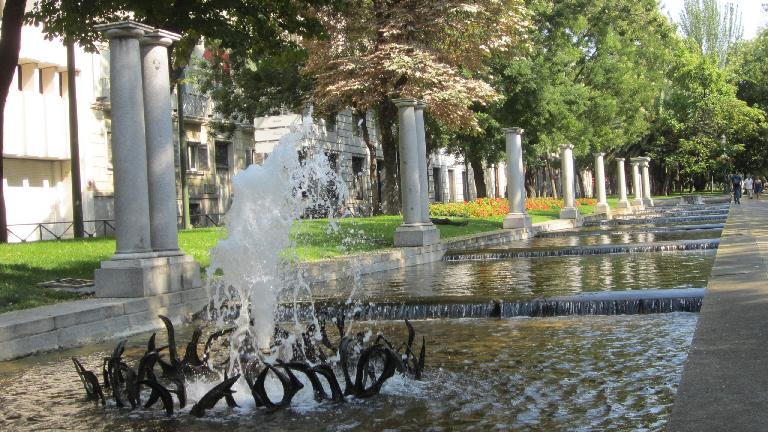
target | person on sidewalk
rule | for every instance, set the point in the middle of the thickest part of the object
(736, 187)
(758, 187)
(748, 186)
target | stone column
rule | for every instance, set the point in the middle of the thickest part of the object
(644, 163)
(569, 211)
(623, 201)
(136, 270)
(602, 204)
(517, 217)
(163, 218)
(129, 150)
(422, 150)
(637, 182)
(413, 232)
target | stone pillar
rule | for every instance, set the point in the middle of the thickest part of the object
(637, 182)
(569, 211)
(129, 150)
(136, 270)
(517, 217)
(602, 204)
(422, 150)
(163, 218)
(623, 201)
(644, 163)
(413, 231)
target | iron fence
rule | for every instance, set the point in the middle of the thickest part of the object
(58, 230)
(92, 228)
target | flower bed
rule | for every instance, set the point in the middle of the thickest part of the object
(487, 207)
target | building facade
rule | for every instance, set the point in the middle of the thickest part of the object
(37, 160)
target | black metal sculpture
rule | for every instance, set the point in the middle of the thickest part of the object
(371, 365)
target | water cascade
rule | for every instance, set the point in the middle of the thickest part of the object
(498, 254)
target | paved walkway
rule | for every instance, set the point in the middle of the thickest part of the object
(725, 380)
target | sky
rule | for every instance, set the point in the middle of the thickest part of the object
(752, 16)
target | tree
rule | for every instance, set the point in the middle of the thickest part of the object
(593, 77)
(430, 50)
(700, 108)
(714, 29)
(255, 26)
(750, 69)
(10, 43)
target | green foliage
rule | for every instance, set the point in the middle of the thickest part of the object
(256, 26)
(592, 79)
(750, 69)
(246, 87)
(701, 107)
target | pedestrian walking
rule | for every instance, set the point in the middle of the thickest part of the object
(748, 186)
(758, 187)
(736, 183)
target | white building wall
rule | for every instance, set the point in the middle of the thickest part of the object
(36, 153)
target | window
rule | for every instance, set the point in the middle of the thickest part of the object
(330, 123)
(356, 123)
(61, 83)
(197, 155)
(18, 77)
(195, 212)
(438, 184)
(357, 177)
(222, 156)
(250, 157)
(40, 87)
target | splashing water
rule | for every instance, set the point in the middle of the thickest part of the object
(296, 180)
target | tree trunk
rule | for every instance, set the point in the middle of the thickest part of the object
(479, 174)
(74, 145)
(373, 166)
(530, 183)
(390, 194)
(552, 182)
(10, 43)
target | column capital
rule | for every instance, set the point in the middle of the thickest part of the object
(619, 159)
(420, 104)
(599, 154)
(513, 130)
(124, 29)
(405, 102)
(635, 160)
(566, 146)
(160, 37)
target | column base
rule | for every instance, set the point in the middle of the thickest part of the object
(623, 204)
(637, 202)
(647, 202)
(145, 277)
(603, 208)
(569, 213)
(517, 220)
(416, 235)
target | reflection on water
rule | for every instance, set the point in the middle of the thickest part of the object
(525, 278)
(577, 373)
(617, 237)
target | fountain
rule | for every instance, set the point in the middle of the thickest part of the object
(587, 327)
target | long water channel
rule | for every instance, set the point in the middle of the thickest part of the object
(579, 372)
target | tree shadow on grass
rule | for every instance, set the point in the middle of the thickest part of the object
(18, 283)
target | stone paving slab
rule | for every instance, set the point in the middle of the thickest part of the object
(725, 380)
